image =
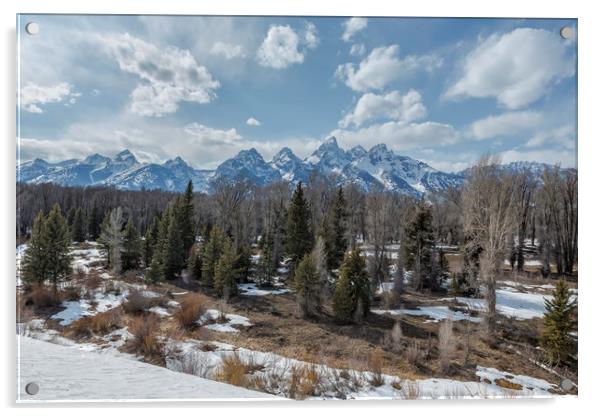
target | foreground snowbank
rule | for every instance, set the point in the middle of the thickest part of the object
(66, 373)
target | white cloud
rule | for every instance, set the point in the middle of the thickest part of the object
(506, 124)
(280, 48)
(516, 68)
(210, 136)
(32, 96)
(383, 66)
(227, 50)
(564, 135)
(352, 26)
(566, 158)
(357, 49)
(391, 106)
(311, 35)
(399, 135)
(170, 75)
(253, 122)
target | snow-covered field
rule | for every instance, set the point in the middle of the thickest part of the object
(65, 373)
(435, 313)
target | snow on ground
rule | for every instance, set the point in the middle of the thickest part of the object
(65, 373)
(350, 384)
(529, 263)
(83, 258)
(160, 311)
(102, 301)
(251, 289)
(435, 313)
(232, 319)
(511, 303)
(528, 383)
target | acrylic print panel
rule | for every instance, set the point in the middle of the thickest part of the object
(268, 208)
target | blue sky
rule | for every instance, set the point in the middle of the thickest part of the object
(444, 91)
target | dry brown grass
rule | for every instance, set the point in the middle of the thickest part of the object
(136, 303)
(44, 297)
(507, 384)
(304, 382)
(233, 370)
(375, 367)
(145, 329)
(447, 344)
(99, 324)
(409, 390)
(190, 311)
(413, 354)
(92, 280)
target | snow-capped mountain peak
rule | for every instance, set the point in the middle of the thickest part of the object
(125, 156)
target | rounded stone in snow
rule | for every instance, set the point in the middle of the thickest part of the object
(32, 389)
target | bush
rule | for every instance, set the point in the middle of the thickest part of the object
(44, 297)
(412, 354)
(145, 329)
(447, 344)
(190, 311)
(99, 324)
(304, 382)
(136, 303)
(375, 367)
(233, 370)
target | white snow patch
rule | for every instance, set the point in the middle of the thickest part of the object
(65, 373)
(232, 319)
(436, 313)
(251, 289)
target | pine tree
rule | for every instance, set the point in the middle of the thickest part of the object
(195, 262)
(224, 279)
(557, 325)
(352, 293)
(78, 228)
(173, 260)
(34, 259)
(265, 268)
(94, 222)
(307, 287)
(243, 262)
(299, 239)
(184, 213)
(150, 240)
(155, 272)
(56, 241)
(71, 216)
(335, 230)
(211, 253)
(111, 238)
(132, 247)
(419, 246)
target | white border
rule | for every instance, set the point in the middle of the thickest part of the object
(590, 28)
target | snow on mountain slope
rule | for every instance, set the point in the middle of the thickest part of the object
(378, 168)
(65, 373)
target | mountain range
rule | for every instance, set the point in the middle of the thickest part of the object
(376, 168)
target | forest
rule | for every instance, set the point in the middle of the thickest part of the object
(350, 265)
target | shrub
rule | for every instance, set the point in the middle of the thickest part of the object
(144, 330)
(136, 303)
(44, 297)
(447, 344)
(375, 367)
(412, 354)
(99, 324)
(190, 311)
(233, 370)
(304, 382)
(71, 294)
(392, 339)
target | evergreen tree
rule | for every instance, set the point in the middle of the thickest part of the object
(150, 241)
(307, 287)
(111, 238)
(173, 247)
(265, 268)
(224, 279)
(71, 216)
(299, 239)
(56, 241)
(94, 222)
(155, 272)
(78, 228)
(184, 212)
(211, 253)
(34, 259)
(352, 293)
(132, 247)
(419, 247)
(195, 262)
(557, 325)
(243, 262)
(335, 230)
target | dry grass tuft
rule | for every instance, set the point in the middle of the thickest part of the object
(409, 390)
(233, 370)
(136, 303)
(304, 382)
(44, 297)
(507, 384)
(145, 329)
(190, 311)
(375, 367)
(447, 344)
(99, 324)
